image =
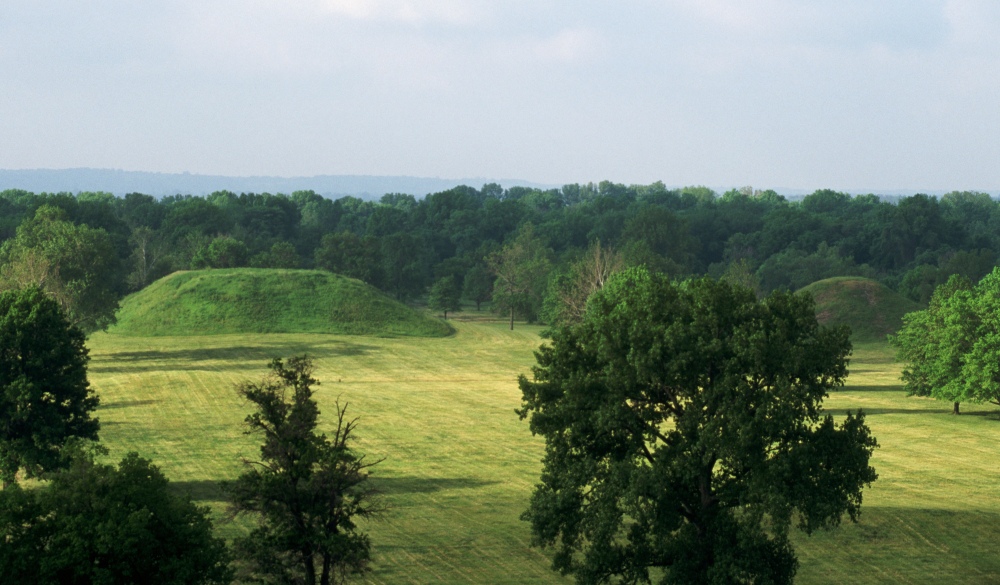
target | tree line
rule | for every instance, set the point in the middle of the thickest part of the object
(466, 237)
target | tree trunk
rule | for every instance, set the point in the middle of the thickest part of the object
(324, 579)
(955, 409)
(446, 314)
(512, 318)
(310, 570)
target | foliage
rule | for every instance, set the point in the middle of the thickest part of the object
(793, 269)
(521, 268)
(684, 431)
(869, 308)
(95, 524)
(281, 255)
(566, 300)
(952, 348)
(400, 244)
(445, 295)
(348, 254)
(45, 398)
(307, 492)
(478, 285)
(221, 252)
(259, 300)
(739, 273)
(74, 264)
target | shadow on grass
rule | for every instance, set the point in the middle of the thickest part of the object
(226, 358)
(871, 388)
(425, 485)
(878, 411)
(125, 404)
(201, 490)
(211, 491)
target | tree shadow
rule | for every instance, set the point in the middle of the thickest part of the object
(211, 491)
(870, 388)
(203, 490)
(425, 485)
(125, 404)
(225, 358)
(878, 411)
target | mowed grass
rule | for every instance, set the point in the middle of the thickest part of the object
(459, 466)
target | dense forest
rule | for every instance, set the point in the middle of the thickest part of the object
(404, 245)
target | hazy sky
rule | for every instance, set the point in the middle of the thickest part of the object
(848, 94)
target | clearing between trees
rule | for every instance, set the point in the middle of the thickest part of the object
(460, 466)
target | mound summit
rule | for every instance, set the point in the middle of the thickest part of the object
(261, 300)
(870, 309)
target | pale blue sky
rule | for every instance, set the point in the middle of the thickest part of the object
(848, 94)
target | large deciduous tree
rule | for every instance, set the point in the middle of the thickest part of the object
(95, 524)
(445, 295)
(934, 343)
(952, 348)
(75, 264)
(45, 398)
(306, 492)
(685, 433)
(521, 268)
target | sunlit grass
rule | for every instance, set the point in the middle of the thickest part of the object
(459, 465)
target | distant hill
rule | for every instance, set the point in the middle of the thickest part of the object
(260, 300)
(161, 184)
(870, 309)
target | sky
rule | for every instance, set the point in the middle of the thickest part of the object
(857, 95)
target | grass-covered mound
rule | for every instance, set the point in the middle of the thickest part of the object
(870, 309)
(260, 300)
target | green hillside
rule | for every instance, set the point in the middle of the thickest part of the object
(868, 307)
(258, 300)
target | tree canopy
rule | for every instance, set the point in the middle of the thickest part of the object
(307, 491)
(101, 525)
(74, 264)
(45, 398)
(685, 432)
(952, 348)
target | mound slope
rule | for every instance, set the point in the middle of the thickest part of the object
(870, 309)
(260, 300)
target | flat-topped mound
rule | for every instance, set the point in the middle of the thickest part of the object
(870, 309)
(262, 300)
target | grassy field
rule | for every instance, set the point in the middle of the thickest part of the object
(460, 465)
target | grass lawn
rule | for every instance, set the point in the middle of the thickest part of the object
(460, 466)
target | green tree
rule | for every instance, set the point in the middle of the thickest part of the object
(146, 251)
(478, 285)
(74, 264)
(95, 524)
(739, 273)
(221, 252)
(566, 299)
(281, 255)
(445, 295)
(45, 398)
(353, 256)
(307, 492)
(935, 343)
(684, 432)
(521, 268)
